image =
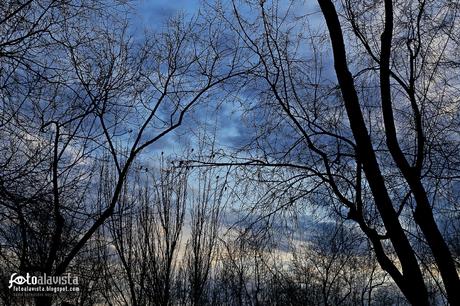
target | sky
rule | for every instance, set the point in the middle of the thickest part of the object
(155, 12)
(225, 121)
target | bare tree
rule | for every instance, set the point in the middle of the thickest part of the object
(338, 268)
(371, 147)
(372, 142)
(202, 246)
(100, 95)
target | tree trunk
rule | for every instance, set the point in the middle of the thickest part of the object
(410, 281)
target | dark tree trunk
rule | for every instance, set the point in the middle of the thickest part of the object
(410, 281)
(423, 213)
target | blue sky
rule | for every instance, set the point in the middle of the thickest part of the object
(154, 12)
(231, 131)
(225, 120)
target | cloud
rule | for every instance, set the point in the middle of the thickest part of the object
(154, 13)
